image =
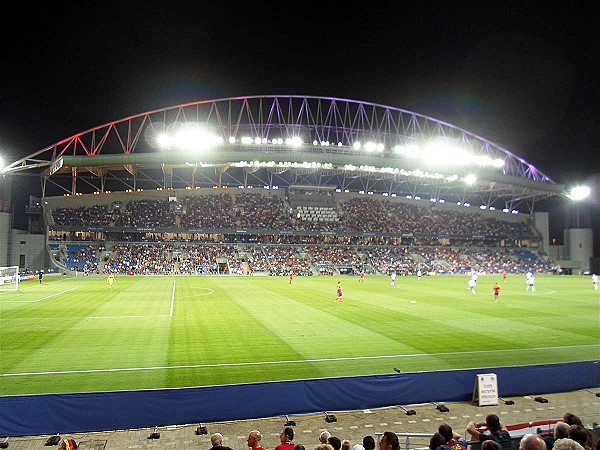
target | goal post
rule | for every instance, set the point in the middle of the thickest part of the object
(9, 278)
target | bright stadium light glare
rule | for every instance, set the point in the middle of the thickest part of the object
(193, 137)
(294, 142)
(356, 145)
(441, 152)
(370, 146)
(578, 193)
(163, 140)
(470, 179)
(410, 150)
(231, 140)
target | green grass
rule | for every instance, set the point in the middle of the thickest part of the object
(74, 335)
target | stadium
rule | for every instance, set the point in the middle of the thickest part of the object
(227, 224)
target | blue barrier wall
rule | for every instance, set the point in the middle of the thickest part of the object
(79, 413)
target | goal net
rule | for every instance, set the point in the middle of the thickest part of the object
(9, 278)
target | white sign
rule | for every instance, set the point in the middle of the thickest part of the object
(486, 389)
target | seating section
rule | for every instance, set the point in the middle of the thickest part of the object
(306, 232)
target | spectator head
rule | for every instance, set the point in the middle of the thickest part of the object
(561, 430)
(254, 439)
(324, 447)
(299, 447)
(567, 444)
(346, 444)
(335, 442)
(287, 434)
(579, 434)
(532, 442)
(446, 431)
(571, 419)
(368, 442)
(437, 440)
(490, 444)
(389, 441)
(216, 440)
(324, 436)
(492, 421)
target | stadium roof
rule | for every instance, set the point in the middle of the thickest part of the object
(283, 140)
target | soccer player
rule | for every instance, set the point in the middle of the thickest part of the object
(419, 273)
(291, 276)
(362, 277)
(530, 283)
(40, 276)
(504, 276)
(339, 295)
(496, 291)
(472, 284)
(110, 280)
(393, 282)
(595, 281)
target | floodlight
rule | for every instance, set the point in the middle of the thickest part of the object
(231, 140)
(579, 193)
(470, 179)
(294, 142)
(370, 146)
(356, 145)
(482, 207)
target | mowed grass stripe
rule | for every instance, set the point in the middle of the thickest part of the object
(219, 321)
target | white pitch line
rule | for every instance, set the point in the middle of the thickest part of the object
(40, 299)
(172, 299)
(293, 361)
(58, 293)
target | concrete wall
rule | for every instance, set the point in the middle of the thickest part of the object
(542, 224)
(579, 241)
(31, 246)
(4, 238)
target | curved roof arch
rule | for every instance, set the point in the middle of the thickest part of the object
(253, 131)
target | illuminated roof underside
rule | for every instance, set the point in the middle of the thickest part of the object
(290, 140)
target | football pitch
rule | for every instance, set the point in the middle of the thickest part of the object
(76, 335)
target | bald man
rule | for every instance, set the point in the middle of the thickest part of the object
(532, 442)
(217, 442)
(254, 439)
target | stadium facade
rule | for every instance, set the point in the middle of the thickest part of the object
(280, 145)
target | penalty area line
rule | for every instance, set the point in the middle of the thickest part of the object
(292, 361)
(41, 299)
(172, 299)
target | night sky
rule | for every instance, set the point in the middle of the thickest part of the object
(520, 74)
